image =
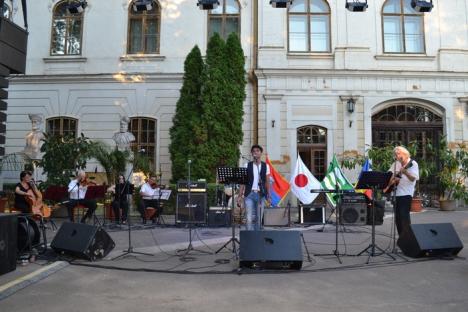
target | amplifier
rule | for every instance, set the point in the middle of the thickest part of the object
(193, 213)
(219, 216)
(309, 214)
(353, 209)
(195, 186)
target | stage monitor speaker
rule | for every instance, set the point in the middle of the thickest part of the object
(198, 211)
(353, 209)
(276, 217)
(219, 216)
(271, 249)
(8, 241)
(82, 241)
(429, 240)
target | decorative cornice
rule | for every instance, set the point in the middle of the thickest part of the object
(142, 58)
(65, 59)
(414, 57)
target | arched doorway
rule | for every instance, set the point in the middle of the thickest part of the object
(402, 124)
(312, 147)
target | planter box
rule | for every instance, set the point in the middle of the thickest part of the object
(13, 46)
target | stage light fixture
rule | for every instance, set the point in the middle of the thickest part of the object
(142, 5)
(207, 4)
(422, 6)
(281, 3)
(76, 7)
(356, 5)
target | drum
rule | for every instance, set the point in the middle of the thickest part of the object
(29, 235)
(239, 211)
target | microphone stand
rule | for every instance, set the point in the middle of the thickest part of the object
(129, 250)
(190, 246)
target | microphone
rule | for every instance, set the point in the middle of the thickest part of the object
(189, 161)
(245, 158)
(142, 150)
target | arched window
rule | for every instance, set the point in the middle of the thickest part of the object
(63, 126)
(144, 130)
(309, 26)
(6, 10)
(403, 28)
(225, 19)
(67, 31)
(312, 147)
(144, 29)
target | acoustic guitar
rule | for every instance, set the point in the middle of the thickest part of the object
(394, 181)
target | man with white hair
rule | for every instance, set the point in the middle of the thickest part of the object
(77, 189)
(405, 174)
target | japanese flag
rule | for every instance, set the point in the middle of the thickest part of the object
(302, 181)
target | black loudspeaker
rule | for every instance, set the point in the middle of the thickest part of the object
(198, 211)
(219, 216)
(271, 249)
(353, 209)
(428, 240)
(8, 241)
(82, 241)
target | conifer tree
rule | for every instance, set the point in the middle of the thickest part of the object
(185, 133)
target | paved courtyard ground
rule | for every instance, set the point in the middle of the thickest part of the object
(212, 282)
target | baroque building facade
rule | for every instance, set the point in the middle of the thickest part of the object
(322, 80)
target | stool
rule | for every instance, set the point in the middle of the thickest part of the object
(150, 213)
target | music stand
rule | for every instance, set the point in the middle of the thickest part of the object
(374, 180)
(161, 195)
(96, 192)
(233, 176)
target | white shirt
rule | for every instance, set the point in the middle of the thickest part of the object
(406, 186)
(256, 173)
(146, 188)
(76, 192)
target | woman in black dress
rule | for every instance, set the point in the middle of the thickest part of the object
(122, 189)
(21, 192)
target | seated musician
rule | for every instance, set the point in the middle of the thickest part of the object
(77, 191)
(121, 190)
(24, 189)
(149, 193)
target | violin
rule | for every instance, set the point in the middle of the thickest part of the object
(87, 182)
(153, 184)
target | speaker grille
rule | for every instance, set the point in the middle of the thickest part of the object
(197, 213)
(354, 214)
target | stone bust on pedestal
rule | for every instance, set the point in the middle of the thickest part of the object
(123, 138)
(33, 138)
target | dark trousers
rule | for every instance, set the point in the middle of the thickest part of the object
(116, 206)
(402, 213)
(149, 203)
(88, 203)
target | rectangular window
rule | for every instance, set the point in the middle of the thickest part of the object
(393, 34)
(319, 33)
(414, 34)
(298, 33)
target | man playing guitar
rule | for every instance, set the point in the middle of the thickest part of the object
(405, 174)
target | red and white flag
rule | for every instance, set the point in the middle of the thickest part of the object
(302, 181)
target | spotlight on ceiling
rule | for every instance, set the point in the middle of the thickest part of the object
(207, 4)
(356, 5)
(76, 7)
(142, 5)
(281, 3)
(422, 6)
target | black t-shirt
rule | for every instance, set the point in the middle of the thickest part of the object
(20, 200)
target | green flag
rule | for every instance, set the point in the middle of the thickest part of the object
(333, 177)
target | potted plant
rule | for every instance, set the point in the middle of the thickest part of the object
(453, 174)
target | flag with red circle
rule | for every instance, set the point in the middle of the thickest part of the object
(302, 182)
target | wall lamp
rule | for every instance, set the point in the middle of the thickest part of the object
(142, 5)
(356, 5)
(422, 5)
(76, 7)
(281, 3)
(350, 104)
(207, 4)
